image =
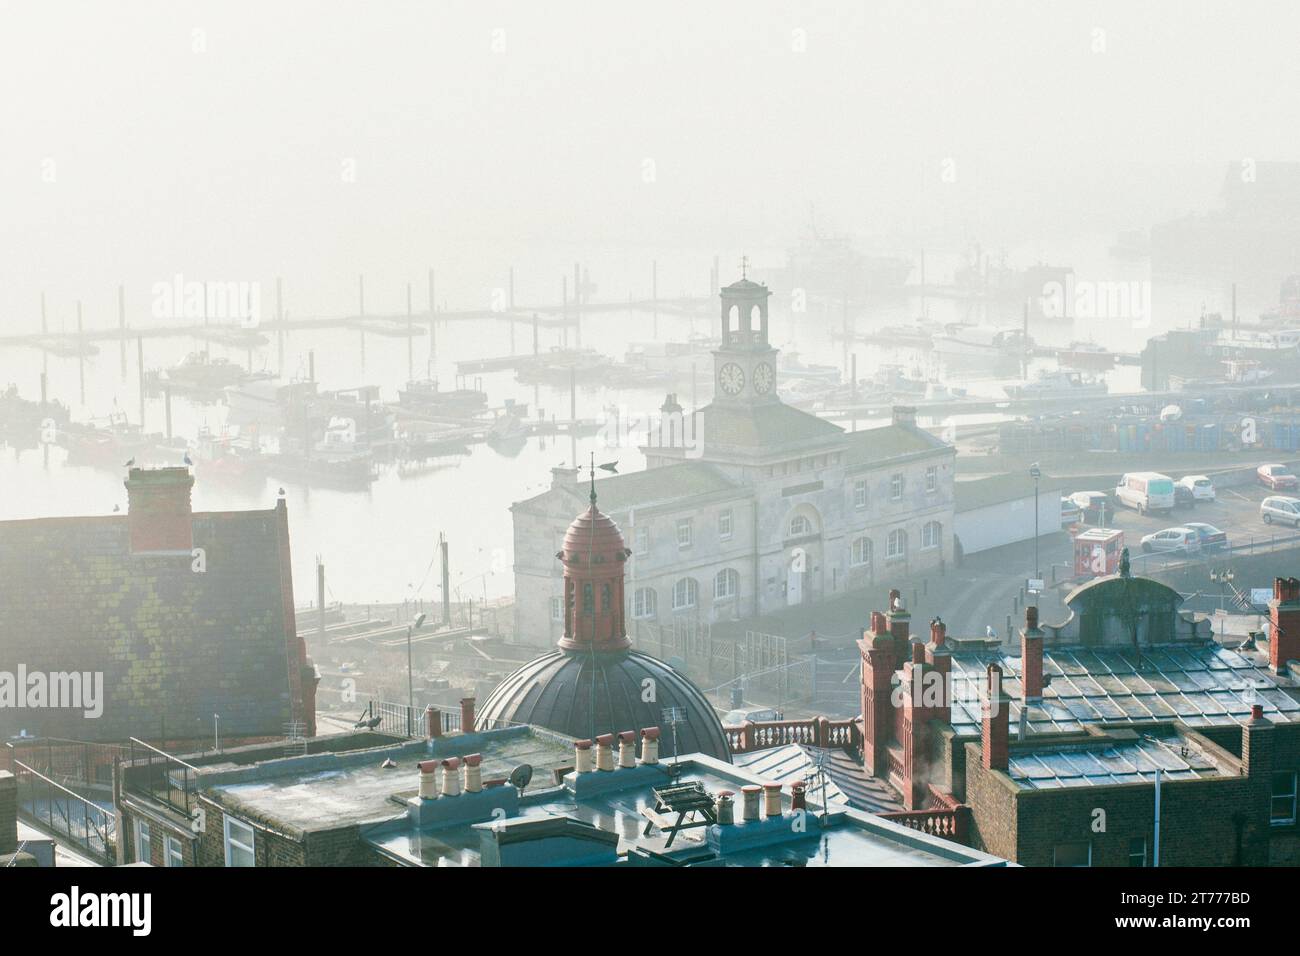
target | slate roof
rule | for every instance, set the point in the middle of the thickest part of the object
(1102, 765)
(847, 782)
(174, 646)
(556, 691)
(890, 441)
(641, 489)
(764, 427)
(1200, 684)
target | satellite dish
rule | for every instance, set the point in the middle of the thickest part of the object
(521, 776)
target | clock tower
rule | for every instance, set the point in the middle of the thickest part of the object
(744, 367)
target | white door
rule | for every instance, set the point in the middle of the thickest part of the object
(794, 586)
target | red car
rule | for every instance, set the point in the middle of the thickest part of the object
(1275, 477)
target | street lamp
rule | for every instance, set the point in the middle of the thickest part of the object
(410, 678)
(1224, 578)
(1035, 473)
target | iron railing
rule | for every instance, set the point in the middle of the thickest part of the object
(48, 804)
(161, 776)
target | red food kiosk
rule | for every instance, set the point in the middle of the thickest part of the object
(1097, 551)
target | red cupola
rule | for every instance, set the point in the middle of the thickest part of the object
(593, 556)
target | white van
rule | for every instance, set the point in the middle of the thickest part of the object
(1146, 491)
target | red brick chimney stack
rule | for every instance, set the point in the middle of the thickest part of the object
(1284, 624)
(994, 725)
(900, 624)
(467, 715)
(1031, 656)
(159, 513)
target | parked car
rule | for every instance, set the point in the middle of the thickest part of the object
(1184, 497)
(1094, 506)
(1146, 491)
(1212, 539)
(735, 718)
(1201, 487)
(1280, 508)
(1275, 477)
(1070, 512)
(1183, 540)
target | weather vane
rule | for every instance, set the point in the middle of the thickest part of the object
(609, 466)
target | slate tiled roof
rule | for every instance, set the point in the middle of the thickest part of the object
(847, 782)
(1200, 684)
(175, 646)
(1099, 766)
(890, 441)
(764, 427)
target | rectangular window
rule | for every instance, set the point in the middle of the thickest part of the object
(557, 609)
(240, 843)
(1284, 792)
(860, 493)
(684, 533)
(642, 538)
(1072, 854)
(143, 842)
(932, 479)
(896, 487)
(1137, 851)
(175, 852)
(724, 524)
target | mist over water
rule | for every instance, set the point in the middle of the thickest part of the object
(316, 142)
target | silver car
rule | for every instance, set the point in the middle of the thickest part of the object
(1184, 540)
(1280, 508)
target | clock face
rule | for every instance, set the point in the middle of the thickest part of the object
(763, 376)
(732, 378)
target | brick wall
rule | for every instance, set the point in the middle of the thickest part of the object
(1212, 821)
(8, 812)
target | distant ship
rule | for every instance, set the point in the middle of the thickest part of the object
(1056, 383)
(958, 339)
(829, 265)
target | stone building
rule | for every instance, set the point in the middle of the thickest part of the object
(749, 505)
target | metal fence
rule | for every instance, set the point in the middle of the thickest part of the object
(48, 804)
(402, 720)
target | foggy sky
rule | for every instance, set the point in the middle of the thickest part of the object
(227, 162)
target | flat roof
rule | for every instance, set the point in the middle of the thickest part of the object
(324, 791)
(851, 838)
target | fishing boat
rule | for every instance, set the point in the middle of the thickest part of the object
(1056, 383)
(981, 340)
(201, 374)
(429, 397)
(793, 367)
(1086, 355)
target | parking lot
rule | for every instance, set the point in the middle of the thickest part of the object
(1235, 512)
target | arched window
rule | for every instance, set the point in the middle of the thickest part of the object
(588, 599)
(644, 603)
(685, 593)
(931, 535)
(800, 526)
(861, 552)
(897, 547)
(725, 584)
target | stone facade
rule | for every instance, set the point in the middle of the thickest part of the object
(771, 507)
